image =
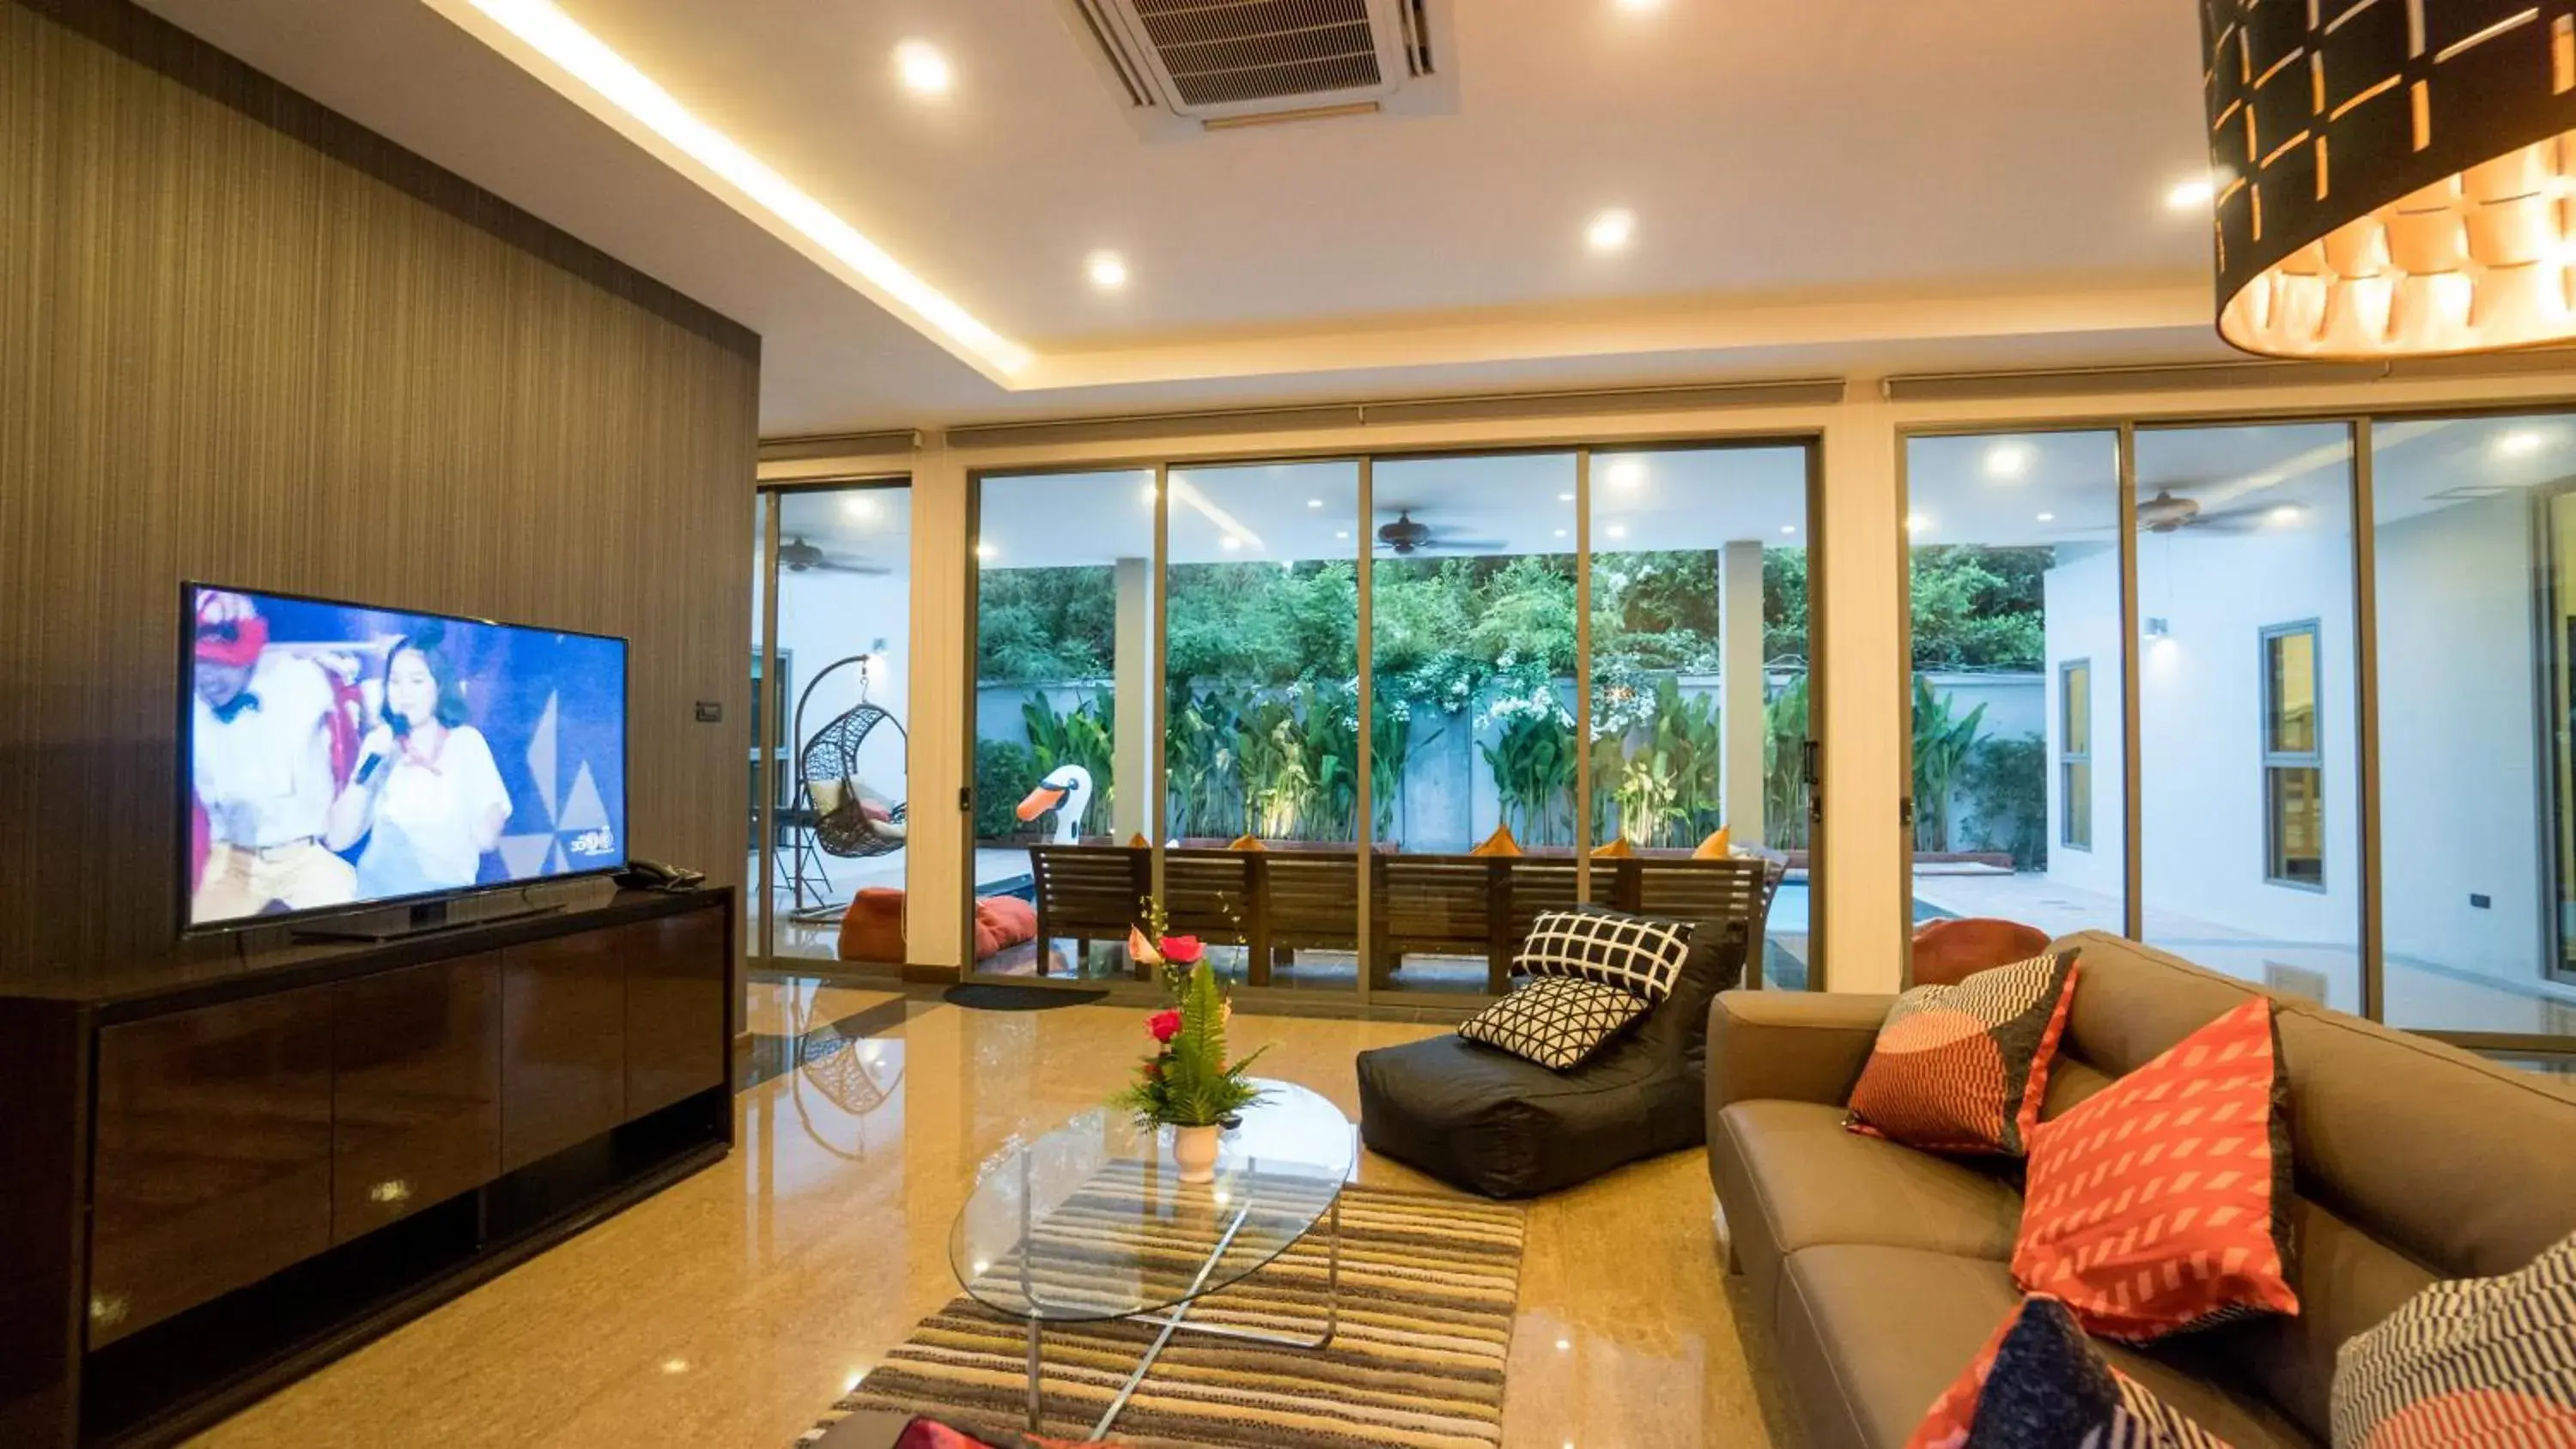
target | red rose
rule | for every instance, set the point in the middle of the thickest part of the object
(1165, 1025)
(1182, 950)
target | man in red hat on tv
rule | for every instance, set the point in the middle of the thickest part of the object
(261, 760)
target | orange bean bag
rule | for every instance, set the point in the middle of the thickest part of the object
(1947, 952)
(872, 928)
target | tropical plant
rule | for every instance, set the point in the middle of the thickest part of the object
(1943, 740)
(1045, 624)
(1532, 760)
(1188, 1082)
(1004, 771)
(1083, 738)
(1784, 758)
(2007, 789)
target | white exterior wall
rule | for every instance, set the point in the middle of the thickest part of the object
(2460, 785)
(825, 616)
(2082, 598)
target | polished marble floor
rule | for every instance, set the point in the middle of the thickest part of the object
(733, 1308)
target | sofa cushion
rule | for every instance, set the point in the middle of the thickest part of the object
(2163, 1203)
(1963, 1068)
(1792, 1179)
(2041, 1384)
(1870, 1336)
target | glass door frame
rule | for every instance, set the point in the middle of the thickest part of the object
(2360, 423)
(1581, 447)
(760, 949)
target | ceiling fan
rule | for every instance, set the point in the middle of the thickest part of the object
(1405, 537)
(2169, 512)
(798, 557)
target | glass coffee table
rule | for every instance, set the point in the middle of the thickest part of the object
(1091, 1222)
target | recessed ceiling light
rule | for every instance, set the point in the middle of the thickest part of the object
(2520, 443)
(2287, 514)
(1916, 523)
(1565, 498)
(2192, 195)
(1625, 473)
(1788, 528)
(2048, 518)
(1611, 230)
(923, 68)
(1341, 533)
(1314, 502)
(1641, 4)
(2008, 460)
(859, 508)
(1617, 530)
(859, 262)
(1564, 1344)
(1108, 271)
(1230, 543)
(1147, 494)
(1560, 533)
(986, 550)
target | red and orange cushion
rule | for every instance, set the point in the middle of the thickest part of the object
(2480, 1363)
(1963, 1068)
(2039, 1382)
(2162, 1202)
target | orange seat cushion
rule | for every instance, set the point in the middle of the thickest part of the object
(872, 928)
(1498, 843)
(1002, 922)
(1718, 846)
(1949, 952)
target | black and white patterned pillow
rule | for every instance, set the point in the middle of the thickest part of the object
(1639, 954)
(2475, 1361)
(1555, 1021)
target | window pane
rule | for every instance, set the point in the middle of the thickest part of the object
(1064, 659)
(1698, 684)
(2015, 614)
(2474, 538)
(844, 634)
(1472, 606)
(1261, 744)
(2291, 666)
(2245, 592)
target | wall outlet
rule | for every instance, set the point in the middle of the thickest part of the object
(710, 711)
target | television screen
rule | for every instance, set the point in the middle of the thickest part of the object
(336, 755)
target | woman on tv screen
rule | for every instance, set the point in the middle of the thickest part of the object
(425, 796)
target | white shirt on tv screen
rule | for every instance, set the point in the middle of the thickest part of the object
(264, 775)
(438, 805)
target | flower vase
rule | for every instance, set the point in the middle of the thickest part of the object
(1194, 1148)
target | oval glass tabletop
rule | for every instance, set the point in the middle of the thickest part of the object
(1092, 1221)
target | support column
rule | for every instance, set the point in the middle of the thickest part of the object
(1741, 721)
(938, 872)
(1858, 623)
(1133, 749)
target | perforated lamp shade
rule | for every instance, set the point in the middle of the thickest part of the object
(2395, 178)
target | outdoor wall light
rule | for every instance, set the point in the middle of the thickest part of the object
(2395, 178)
(2157, 628)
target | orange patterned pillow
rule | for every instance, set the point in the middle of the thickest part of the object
(2162, 1202)
(1963, 1068)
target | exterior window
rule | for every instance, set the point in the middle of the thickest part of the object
(2075, 753)
(2294, 809)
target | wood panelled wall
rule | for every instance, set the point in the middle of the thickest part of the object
(244, 340)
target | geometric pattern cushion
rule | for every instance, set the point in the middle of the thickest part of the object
(2162, 1202)
(1555, 1021)
(1963, 1068)
(2483, 1361)
(1640, 954)
(2039, 1384)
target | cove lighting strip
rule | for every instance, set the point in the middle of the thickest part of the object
(583, 56)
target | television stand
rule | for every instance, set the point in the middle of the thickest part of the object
(426, 919)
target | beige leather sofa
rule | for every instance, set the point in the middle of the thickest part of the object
(1878, 1271)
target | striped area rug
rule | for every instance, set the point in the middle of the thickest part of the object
(1428, 1285)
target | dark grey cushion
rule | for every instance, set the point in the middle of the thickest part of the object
(1496, 1124)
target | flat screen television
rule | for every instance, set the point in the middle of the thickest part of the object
(336, 756)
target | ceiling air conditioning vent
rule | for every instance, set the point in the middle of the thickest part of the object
(1233, 62)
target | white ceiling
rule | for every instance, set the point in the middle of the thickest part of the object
(1836, 185)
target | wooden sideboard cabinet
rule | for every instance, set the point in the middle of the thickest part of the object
(222, 1174)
